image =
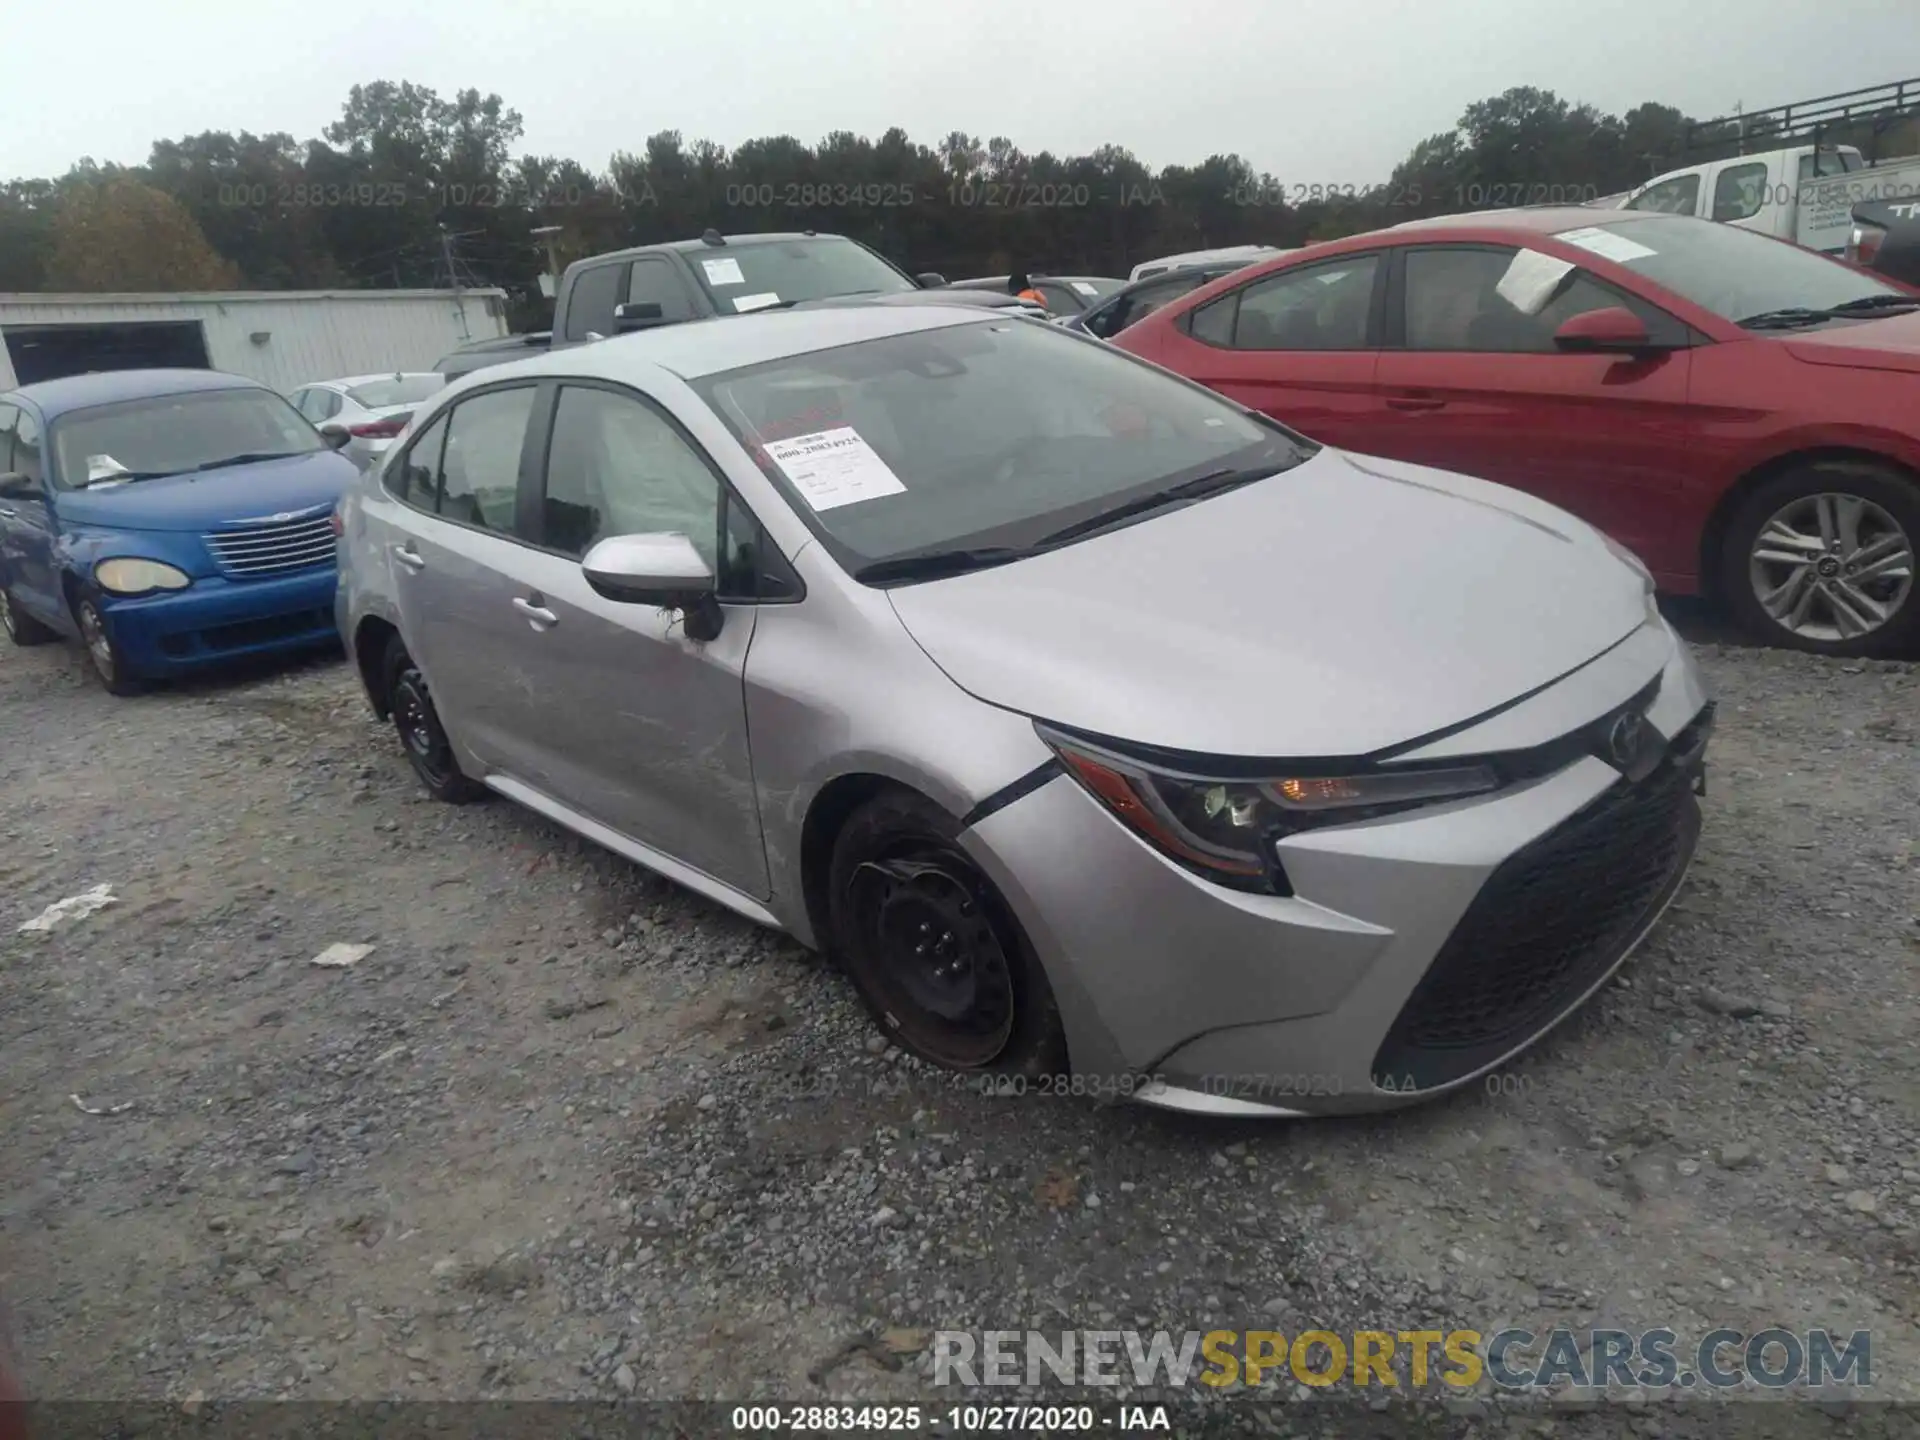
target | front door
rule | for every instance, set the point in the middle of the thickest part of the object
(1477, 385)
(642, 728)
(28, 521)
(1300, 345)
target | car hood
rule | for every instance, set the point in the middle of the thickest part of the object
(214, 497)
(1344, 606)
(1889, 344)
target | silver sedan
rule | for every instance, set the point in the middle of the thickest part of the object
(373, 410)
(1098, 727)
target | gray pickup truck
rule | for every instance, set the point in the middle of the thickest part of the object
(716, 275)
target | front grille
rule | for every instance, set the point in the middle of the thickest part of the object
(274, 549)
(1545, 927)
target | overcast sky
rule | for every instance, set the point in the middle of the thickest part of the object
(1313, 91)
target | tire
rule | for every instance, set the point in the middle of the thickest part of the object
(22, 628)
(422, 736)
(105, 658)
(982, 1004)
(1866, 515)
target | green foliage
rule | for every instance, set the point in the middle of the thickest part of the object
(409, 188)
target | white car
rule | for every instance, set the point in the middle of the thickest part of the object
(372, 409)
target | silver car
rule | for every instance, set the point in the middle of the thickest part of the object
(373, 410)
(1098, 727)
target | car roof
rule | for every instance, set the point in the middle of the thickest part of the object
(105, 387)
(1536, 219)
(694, 349)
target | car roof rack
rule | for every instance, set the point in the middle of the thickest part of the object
(1872, 108)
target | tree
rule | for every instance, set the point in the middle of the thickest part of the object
(116, 233)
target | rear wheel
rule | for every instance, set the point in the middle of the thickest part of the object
(421, 734)
(1821, 558)
(22, 628)
(104, 655)
(933, 948)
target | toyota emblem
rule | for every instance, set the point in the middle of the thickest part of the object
(1623, 739)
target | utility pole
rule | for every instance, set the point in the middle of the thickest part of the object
(446, 256)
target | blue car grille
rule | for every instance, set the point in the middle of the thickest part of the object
(274, 549)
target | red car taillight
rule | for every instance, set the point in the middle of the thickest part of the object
(385, 429)
(1864, 243)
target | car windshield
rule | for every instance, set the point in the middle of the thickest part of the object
(999, 433)
(172, 434)
(1734, 273)
(399, 390)
(769, 272)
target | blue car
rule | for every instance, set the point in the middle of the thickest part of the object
(167, 519)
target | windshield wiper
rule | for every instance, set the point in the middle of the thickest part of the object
(1852, 309)
(121, 477)
(931, 564)
(1214, 482)
(249, 458)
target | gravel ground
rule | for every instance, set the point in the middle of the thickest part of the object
(569, 1131)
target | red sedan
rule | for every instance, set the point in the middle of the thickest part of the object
(1741, 413)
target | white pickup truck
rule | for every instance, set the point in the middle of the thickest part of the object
(1805, 188)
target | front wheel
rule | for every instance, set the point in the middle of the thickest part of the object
(421, 734)
(933, 948)
(104, 655)
(1821, 558)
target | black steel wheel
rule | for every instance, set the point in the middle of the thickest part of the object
(421, 734)
(933, 948)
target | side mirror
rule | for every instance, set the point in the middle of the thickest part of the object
(636, 315)
(659, 569)
(335, 434)
(1615, 329)
(931, 280)
(15, 486)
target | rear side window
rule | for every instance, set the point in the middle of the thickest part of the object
(480, 465)
(590, 303)
(1324, 307)
(415, 480)
(1739, 192)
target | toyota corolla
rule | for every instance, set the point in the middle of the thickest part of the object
(1097, 725)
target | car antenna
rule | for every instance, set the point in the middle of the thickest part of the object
(713, 237)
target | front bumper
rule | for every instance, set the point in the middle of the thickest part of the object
(1417, 953)
(217, 619)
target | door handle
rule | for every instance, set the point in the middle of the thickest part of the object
(541, 617)
(6, 514)
(1415, 402)
(409, 557)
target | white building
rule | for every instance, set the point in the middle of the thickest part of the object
(282, 338)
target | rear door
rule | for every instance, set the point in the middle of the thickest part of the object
(1299, 344)
(454, 541)
(1473, 382)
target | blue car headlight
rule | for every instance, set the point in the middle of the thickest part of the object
(128, 576)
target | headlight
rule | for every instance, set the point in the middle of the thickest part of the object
(136, 577)
(1226, 829)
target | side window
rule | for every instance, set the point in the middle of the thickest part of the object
(300, 400)
(616, 466)
(590, 303)
(1059, 299)
(330, 403)
(654, 280)
(415, 481)
(1488, 300)
(1739, 191)
(9, 417)
(751, 568)
(1324, 307)
(26, 448)
(480, 467)
(1678, 196)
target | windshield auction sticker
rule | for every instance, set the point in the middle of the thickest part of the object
(831, 468)
(1605, 244)
(725, 271)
